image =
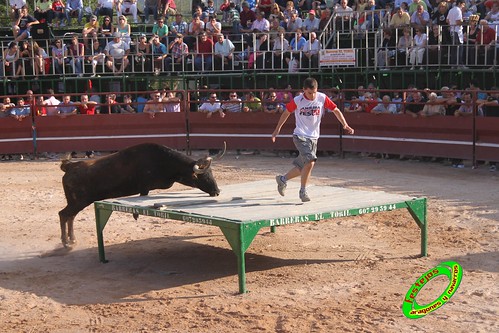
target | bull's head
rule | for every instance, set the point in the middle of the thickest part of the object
(204, 177)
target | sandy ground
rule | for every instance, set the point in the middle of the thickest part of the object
(341, 275)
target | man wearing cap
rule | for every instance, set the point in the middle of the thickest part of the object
(311, 23)
(247, 17)
(74, 8)
(90, 30)
(117, 52)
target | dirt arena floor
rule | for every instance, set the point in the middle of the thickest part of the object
(341, 275)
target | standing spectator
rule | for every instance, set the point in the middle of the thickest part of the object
(455, 21)
(439, 17)
(77, 53)
(151, 7)
(204, 56)
(74, 8)
(11, 61)
(211, 106)
(22, 27)
(343, 16)
(485, 41)
(233, 104)
(224, 53)
(117, 54)
(418, 49)
(90, 30)
(234, 18)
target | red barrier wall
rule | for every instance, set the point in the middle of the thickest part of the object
(16, 136)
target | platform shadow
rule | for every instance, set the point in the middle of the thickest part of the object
(484, 261)
(135, 267)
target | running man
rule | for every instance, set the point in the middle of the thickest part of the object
(309, 107)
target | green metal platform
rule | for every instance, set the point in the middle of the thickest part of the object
(242, 210)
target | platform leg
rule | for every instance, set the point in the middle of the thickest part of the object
(240, 239)
(417, 208)
(101, 217)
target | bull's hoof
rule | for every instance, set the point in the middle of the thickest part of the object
(135, 216)
(69, 243)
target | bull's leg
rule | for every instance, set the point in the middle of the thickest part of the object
(64, 237)
(72, 238)
(66, 217)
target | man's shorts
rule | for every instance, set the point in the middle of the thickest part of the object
(307, 149)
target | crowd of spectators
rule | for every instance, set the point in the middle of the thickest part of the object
(269, 34)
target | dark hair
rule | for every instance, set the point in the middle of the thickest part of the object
(310, 83)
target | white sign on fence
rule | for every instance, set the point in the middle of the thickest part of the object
(337, 57)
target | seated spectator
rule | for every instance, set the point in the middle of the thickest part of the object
(168, 7)
(11, 60)
(211, 106)
(355, 105)
(485, 44)
(179, 26)
(416, 105)
(311, 24)
(151, 7)
(234, 18)
(210, 9)
(490, 106)
(60, 56)
(43, 11)
(224, 53)
(386, 50)
(77, 53)
(110, 106)
(265, 6)
(385, 106)
(247, 17)
(66, 107)
(127, 7)
(141, 102)
(439, 17)
(369, 19)
(124, 28)
(126, 107)
(233, 104)
(58, 13)
(154, 105)
(160, 30)
(400, 19)
(204, 56)
(224, 8)
(96, 56)
(143, 54)
(51, 103)
(436, 50)
(252, 103)
(74, 8)
(344, 15)
(432, 107)
(106, 30)
(40, 109)
(466, 108)
(196, 27)
(117, 52)
(276, 13)
(213, 28)
(90, 30)
(296, 45)
(85, 106)
(260, 24)
(179, 54)
(104, 8)
(272, 105)
(20, 111)
(493, 14)
(310, 57)
(418, 49)
(420, 18)
(368, 102)
(172, 102)
(403, 45)
(294, 23)
(22, 27)
(324, 20)
(280, 50)
(159, 54)
(413, 6)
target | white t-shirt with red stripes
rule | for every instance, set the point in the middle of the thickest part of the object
(309, 113)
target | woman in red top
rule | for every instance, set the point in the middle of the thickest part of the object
(58, 12)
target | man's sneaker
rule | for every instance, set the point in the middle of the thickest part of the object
(304, 195)
(281, 184)
(493, 168)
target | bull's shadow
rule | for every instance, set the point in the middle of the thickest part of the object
(134, 267)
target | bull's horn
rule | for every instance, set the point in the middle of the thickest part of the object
(202, 165)
(220, 154)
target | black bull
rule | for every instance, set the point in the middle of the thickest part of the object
(134, 170)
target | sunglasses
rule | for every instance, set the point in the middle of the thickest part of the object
(233, 95)
(213, 96)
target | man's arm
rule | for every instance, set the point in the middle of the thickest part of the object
(342, 120)
(282, 120)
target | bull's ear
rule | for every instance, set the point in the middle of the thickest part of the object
(202, 165)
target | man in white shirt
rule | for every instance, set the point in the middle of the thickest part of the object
(224, 53)
(211, 106)
(104, 8)
(455, 22)
(344, 15)
(311, 52)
